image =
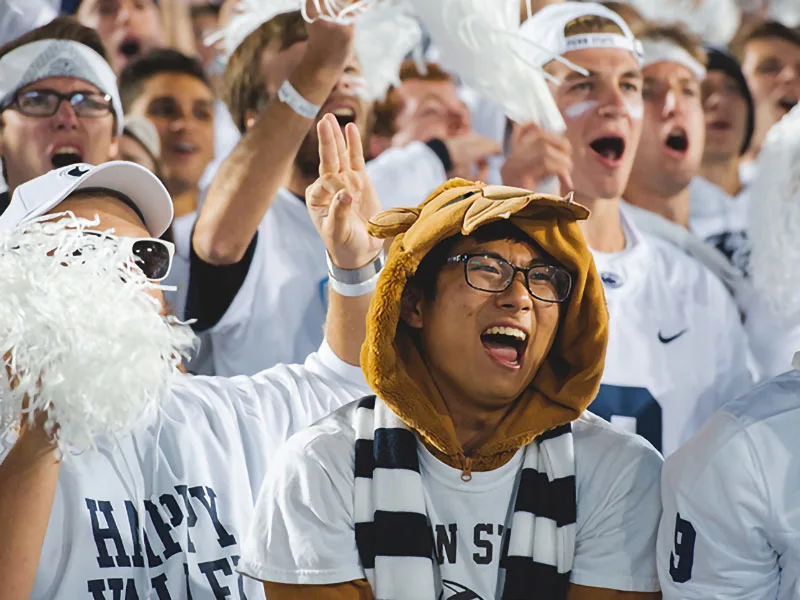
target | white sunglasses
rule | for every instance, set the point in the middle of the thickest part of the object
(153, 256)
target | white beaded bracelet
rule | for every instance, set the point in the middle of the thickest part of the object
(294, 100)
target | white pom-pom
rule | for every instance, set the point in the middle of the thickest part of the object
(81, 334)
(774, 219)
(480, 41)
(716, 21)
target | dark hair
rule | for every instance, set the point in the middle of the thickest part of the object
(429, 268)
(204, 9)
(720, 60)
(159, 60)
(762, 30)
(244, 88)
(60, 28)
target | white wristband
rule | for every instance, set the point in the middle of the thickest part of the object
(351, 290)
(294, 100)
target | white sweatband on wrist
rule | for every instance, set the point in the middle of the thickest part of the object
(294, 100)
(352, 290)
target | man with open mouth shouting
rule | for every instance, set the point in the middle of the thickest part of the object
(59, 103)
(672, 359)
(473, 468)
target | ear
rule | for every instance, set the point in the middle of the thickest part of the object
(411, 306)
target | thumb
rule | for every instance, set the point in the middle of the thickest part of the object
(339, 214)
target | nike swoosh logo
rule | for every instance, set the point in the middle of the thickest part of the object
(667, 340)
(76, 172)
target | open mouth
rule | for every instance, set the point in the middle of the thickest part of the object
(787, 104)
(610, 147)
(65, 155)
(344, 116)
(184, 147)
(677, 140)
(130, 48)
(506, 345)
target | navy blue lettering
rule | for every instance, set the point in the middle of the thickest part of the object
(171, 547)
(191, 516)
(224, 538)
(188, 589)
(685, 537)
(209, 568)
(633, 402)
(242, 595)
(96, 589)
(485, 545)
(160, 586)
(446, 543)
(133, 523)
(102, 534)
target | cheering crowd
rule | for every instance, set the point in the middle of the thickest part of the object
(439, 341)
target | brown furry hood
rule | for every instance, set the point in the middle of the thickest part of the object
(568, 379)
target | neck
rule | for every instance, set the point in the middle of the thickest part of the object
(673, 207)
(474, 424)
(603, 230)
(723, 174)
(298, 182)
(755, 146)
(185, 201)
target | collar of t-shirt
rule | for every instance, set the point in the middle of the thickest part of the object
(707, 199)
(622, 272)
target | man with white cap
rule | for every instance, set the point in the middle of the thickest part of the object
(160, 512)
(58, 102)
(671, 358)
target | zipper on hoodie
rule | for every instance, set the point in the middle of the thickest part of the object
(466, 468)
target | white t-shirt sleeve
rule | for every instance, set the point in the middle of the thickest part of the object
(406, 176)
(618, 510)
(711, 540)
(302, 530)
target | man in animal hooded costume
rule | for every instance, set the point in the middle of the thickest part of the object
(474, 471)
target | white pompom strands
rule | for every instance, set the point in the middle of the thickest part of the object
(82, 335)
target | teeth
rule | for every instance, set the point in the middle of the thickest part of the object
(509, 331)
(66, 150)
(344, 112)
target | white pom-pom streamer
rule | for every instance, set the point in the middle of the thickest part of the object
(386, 32)
(82, 339)
(479, 40)
(716, 21)
(774, 219)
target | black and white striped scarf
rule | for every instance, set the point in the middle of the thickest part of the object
(393, 534)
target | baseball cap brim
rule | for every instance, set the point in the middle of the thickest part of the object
(42, 194)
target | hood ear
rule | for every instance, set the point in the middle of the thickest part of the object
(392, 222)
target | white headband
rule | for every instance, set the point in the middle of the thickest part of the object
(603, 40)
(57, 58)
(656, 51)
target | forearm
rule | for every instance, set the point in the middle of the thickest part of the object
(346, 325)
(580, 592)
(28, 480)
(248, 180)
(351, 590)
(177, 20)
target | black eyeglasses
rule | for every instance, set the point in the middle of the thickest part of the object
(151, 255)
(545, 282)
(45, 103)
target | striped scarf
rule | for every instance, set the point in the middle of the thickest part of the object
(393, 534)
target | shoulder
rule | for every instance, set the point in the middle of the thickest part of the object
(606, 456)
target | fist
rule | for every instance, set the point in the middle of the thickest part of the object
(535, 157)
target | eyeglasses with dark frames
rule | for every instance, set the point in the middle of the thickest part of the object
(45, 103)
(544, 281)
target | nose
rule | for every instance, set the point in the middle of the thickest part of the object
(516, 297)
(458, 121)
(178, 122)
(612, 102)
(65, 117)
(670, 105)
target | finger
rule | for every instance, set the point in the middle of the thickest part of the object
(483, 170)
(328, 155)
(557, 141)
(485, 147)
(354, 147)
(339, 215)
(322, 191)
(341, 145)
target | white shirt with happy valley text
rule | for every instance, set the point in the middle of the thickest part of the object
(676, 348)
(190, 480)
(731, 522)
(303, 528)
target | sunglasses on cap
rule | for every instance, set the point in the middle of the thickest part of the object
(151, 255)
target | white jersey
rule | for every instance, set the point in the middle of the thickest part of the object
(190, 481)
(676, 349)
(773, 339)
(720, 219)
(278, 314)
(302, 530)
(731, 522)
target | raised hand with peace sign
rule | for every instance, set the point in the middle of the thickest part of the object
(343, 200)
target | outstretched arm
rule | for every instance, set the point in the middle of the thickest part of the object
(243, 189)
(341, 203)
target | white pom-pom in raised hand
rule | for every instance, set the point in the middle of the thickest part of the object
(81, 337)
(774, 219)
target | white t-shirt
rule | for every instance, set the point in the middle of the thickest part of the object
(676, 348)
(303, 528)
(191, 479)
(731, 522)
(279, 312)
(773, 339)
(720, 219)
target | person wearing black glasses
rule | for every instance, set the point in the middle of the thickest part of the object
(59, 103)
